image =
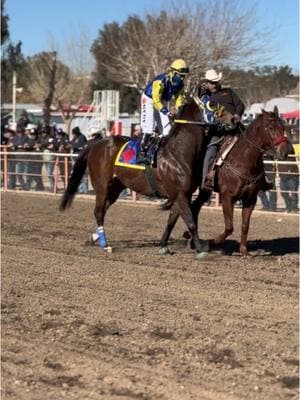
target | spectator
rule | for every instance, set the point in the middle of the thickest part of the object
(61, 145)
(35, 162)
(47, 147)
(269, 198)
(136, 132)
(289, 180)
(18, 144)
(78, 143)
(9, 136)
(23, 121)
(94, 137)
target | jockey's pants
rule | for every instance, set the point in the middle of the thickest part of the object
(152, 119)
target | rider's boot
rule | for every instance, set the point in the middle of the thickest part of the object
(142, 154)
(209, 182)
(267, 184)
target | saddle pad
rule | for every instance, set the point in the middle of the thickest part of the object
(127, 155)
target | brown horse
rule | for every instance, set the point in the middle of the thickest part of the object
(242, 174)
(178, 174)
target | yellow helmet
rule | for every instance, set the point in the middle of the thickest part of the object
(180, 66)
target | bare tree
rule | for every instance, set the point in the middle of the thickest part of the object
(225, 34)
(53, 83)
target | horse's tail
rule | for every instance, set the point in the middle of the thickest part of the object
(75, 179)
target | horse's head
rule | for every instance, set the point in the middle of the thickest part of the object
(273, 135)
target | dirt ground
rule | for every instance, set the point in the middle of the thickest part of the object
(133, 324)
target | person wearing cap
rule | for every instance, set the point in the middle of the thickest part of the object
(34, 169)
(18, 145)
(154, 101)
(212, 93)
(46, 141)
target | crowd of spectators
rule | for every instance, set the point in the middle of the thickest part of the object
(25, 170)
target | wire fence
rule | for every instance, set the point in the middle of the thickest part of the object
(46, 172)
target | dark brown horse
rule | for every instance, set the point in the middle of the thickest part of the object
(242, 174)
(178, 174)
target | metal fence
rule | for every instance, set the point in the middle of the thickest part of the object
(49, 173)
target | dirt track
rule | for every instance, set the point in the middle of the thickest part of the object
(80, 324)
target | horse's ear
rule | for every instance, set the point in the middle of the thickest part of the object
(275, 111)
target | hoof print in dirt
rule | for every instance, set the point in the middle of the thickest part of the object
(100, 330)
(224, 356)
(291, 382)
(163, 333)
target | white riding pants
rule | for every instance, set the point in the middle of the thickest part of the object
(152, 118)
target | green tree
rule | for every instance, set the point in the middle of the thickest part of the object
(4, 24)
(12, 60)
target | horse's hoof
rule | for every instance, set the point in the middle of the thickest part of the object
(204, 245)
(108, 249)
(245, 254)
(163, 251)
(92, 240)
(94, 237)
(186, 235)
(202, 255)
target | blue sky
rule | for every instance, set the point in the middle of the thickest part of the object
(32, 21)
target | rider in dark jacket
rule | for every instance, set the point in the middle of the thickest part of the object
(211, 92)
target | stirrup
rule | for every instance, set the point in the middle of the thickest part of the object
(141, 158)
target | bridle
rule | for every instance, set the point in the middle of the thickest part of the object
(278, 139)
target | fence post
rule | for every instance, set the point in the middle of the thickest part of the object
(133, 196)
(217, 199)
(5, 168)
(66, 177)
(56, 173)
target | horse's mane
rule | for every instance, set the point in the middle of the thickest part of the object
(268, 115)
(176, 127)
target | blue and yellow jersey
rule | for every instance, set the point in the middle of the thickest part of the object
(163, 88)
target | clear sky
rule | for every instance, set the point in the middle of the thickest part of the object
(33, 21)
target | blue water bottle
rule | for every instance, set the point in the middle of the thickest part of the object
(101, 237)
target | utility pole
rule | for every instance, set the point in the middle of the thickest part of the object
(14, 96)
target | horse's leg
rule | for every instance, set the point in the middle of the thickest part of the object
(227, 206)
(106, 194)
(246, 214)
(183, 205)
(196, 206)
(173, 217)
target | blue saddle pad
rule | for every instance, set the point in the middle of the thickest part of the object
(127, 156)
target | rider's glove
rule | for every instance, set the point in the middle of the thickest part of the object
(171, 116)
(164, 110)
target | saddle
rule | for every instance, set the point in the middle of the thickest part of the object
(225, 148)
(211, 180)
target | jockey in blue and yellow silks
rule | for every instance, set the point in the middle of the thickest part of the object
(154, 102)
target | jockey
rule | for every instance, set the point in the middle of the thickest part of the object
(154, 102)
(211, 92)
